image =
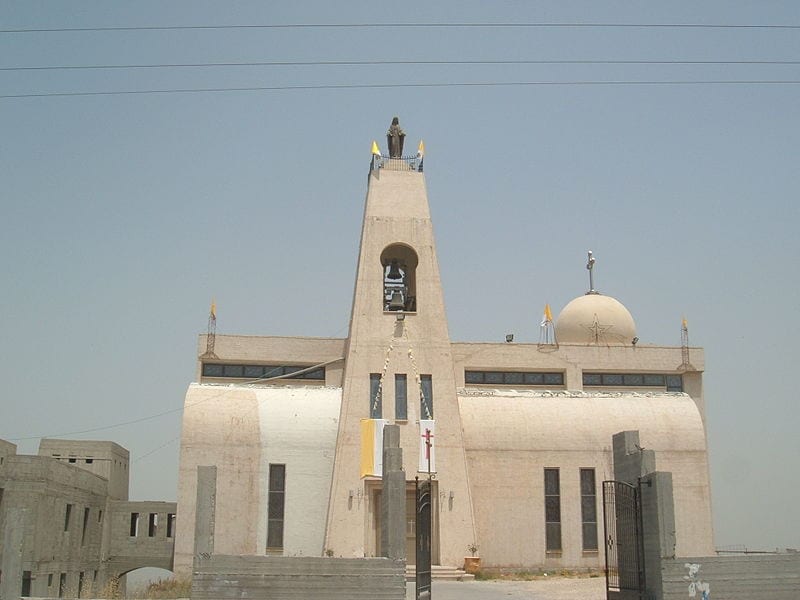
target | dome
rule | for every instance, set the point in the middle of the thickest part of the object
(595, 319)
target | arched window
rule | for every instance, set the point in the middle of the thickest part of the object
(399, 264)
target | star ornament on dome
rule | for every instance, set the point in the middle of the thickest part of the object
(597, 331)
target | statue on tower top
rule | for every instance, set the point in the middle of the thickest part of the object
(394, 139)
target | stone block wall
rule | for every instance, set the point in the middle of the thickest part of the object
(766, 577)
(221, 577)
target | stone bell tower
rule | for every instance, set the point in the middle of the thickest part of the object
(399, 367)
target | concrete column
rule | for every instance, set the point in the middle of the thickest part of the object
(205, 509)
(393, 499)
(13, 536)
(631, 461)
(658, 528)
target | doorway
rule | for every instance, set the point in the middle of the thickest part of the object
(411, 521)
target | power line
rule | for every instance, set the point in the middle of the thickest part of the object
(348, 86)
(327, 63)
(405, 26)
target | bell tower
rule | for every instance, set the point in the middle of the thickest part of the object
(399, 368)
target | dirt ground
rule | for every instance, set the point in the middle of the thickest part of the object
(555, 588)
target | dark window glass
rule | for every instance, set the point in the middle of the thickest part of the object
(253, 371)
(275, 504)
(554, 379)
(589, 509)
(210, 370)
(654, 380)
(272, 371)
(289, 370)
(170, 524)
(375, 401)
(426, 397)
(592, 379)
(233, 371)
(674, 383)
(633, 379)
(552, 509)
(612, 379)
(493, 377)
(534, 378)
(134, 530)
(315, 374)
(400, 397)
(512, 378)
(473, 376)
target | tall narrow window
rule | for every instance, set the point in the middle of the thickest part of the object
(589, 509)
(275, 503)
(170, 524)
(152, 525)
(85, 523)
(81, 579)
(67, 516)
(26, 584)
(62, 585)
(425, 397)
(552, 510)
(375, 401)
(400, 397)
(134, 531)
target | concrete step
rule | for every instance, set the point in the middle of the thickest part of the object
(440, 572)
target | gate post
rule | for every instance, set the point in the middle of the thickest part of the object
(423, 541)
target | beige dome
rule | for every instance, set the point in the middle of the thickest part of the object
(595, 319)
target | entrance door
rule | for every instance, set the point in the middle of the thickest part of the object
(411, 519)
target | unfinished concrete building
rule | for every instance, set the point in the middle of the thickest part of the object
(67, 526)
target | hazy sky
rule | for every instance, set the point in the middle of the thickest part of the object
(123, 215)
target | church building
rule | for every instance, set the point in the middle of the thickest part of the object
(517, 436)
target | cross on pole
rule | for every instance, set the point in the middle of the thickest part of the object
(427, 437)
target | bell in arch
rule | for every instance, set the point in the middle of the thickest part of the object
(394, 271)
(396, 303)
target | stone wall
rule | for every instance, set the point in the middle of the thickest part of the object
(766, 577)
(295, 578)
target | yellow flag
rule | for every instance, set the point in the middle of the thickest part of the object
(547, 312)
(214, 309)
(684, 324)
(421, 150)
(375, 150)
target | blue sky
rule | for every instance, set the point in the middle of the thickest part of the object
(123, 215)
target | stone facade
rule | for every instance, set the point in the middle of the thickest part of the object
(507, 417)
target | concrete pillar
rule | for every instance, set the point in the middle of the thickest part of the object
(631, 461)
(205, 509)
(13, 536)
(393, 499)
(658, 528)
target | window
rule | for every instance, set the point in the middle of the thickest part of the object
(673, 383)
(49, 580)
(85, 523)
(152, 525)
(263, 371)
(62, 585)
(518, 378)
(275, 504)
(73, 460)
(552, 510)
(67, 516)
(89, 461)
(400, 397)
(134, 531)
(99, 516)
(589, 509)
(170, 525)
(425, 397)
(26, 584)
(81, 577)
(375, 400)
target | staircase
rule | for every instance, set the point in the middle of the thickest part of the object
(440, 572)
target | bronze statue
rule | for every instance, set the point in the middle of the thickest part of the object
(394, 139)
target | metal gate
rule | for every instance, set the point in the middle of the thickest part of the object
(622, 519)
(423, 494)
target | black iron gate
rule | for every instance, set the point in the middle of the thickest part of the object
(423, 542)
(623, 539)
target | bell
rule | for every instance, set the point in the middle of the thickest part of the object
(396, 303)
(394, 271)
